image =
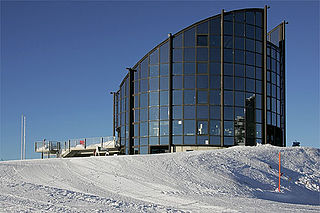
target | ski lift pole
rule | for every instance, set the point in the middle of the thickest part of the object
(279, 170)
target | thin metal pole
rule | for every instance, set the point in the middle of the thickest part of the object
(279, 170)
(222, 79)
(170, 91)
(21, 154)
(24, 137)
(264, 115)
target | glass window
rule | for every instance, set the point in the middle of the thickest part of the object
(214, 112)
(189, 38)
(144, 100)
(258, 73)
(177, 82)
(258, 130)
(202, 81)
(214, 127)
(177, 112)
(154, 113)
(189, 112)
(177, 68)
(177, 41)
(228, 27)
(258, 86)
(177, 140)
(153, 140)
(215, 97)
(239, 29)
(204, 140)
(177, 127)
(189, 140)
(215, 140)
(239, 56)
(202, 54)
(228, 69)
(189, 81)
(164, 128)
(259, 47)
(143, 150)
(189, 68)
(164, 140)
(259, 34)
(228, 97)
(136, 101)
(249, 31)
(202, 112)
(164, 96)
(239, 113)
(202, 127)
(250, 58)
(259, 19)
(189, 54)
(164, 53)
(228, 42)
(258, 115)
(202, 68)
(250, 45)
(153, 83)
(250, 71)
(189, 127)
(228, 55)
(215, 25)
(164, 113)
(215, 40)
(228, 113)
(202, 97)
(144, 85)
(177, 55)
(239, 70)
(228, 128)
(164, 69)
(143, 141)
(239, 43)
(215, 54)
(215, 81)
(164, 83)
(154, 57)
(202, 28)
(215, 69)
(228, 141)
(249, 85)
(143, 129)
(202, 40)
(136, 115)
(154, 98)
(177, 97)
(154, 128)
(144, 114)
(258, 60)
(239, 99)
(250, 17)
(144, 68)
(228, 82)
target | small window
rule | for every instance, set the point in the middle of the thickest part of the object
(202, 40)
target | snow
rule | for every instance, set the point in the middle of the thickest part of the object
(237, 179)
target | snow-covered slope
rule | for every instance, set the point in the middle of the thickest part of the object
(238, 179)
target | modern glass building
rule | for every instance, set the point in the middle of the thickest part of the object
(217, 83)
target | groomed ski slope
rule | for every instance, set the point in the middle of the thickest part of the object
(237, 179)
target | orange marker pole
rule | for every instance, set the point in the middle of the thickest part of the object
(279, 169)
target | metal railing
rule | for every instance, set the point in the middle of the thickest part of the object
(84, 143)
(47, 146)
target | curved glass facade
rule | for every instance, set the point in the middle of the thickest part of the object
(208, 85)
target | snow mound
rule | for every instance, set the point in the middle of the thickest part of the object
(237, 179)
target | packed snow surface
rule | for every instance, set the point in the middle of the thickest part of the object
(237, 179)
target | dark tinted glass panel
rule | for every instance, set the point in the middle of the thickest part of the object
(189, 82)
(164, 81)
(189, 127)
(153, 129)
(177, 68)
(214, 127)
(144, 129)
(259, 19)
(239, 16)
(228, 141)
(154, 83)
(144, 100)
(258, 116)
(215, 40)
(136, 115)
(228, 97)
(258, 86)
(189, 112)
(202, 40)
(228, 113)
(202, 28)
(214, 112)
(250, 17)
(153, 140)
(259, 47)
(177, 112)
(239, 114)
(177, 41)
(259, 34)
(189, 54)
(154, 57)
(154, 98)
(202, 81)
(154, 113)
(259, 73)
(189, 97)
(228, 82)
(249, 85)
(239, 99)
(228, 128)
(202, 112)
(215, 68)
(177, 127)
(250, 58)
(239, 43)
(239, 70)
(189, 38)
(239, 57)
(164, 128)
(164, 69)
(249, 71)
(144, 68)
(189, 68)
(163, 140)
(202, 97)
(239, 29)
(202, 127)
(215, 97)
(189, 140)
(228, 28)
(202, 67)
(228, 69)
(215, 140)
(177, 82)
(204, 140)
(164, 95)
(164, 113)
(177, 55)
(250, 45)
(177, 97)
(202, 54)
(164, 53)
(258, 60)
(249, 31)
(215, 81)
(228, 55)
(215, 26)
(215, 54)
(144, 114)
(177, 140)
(228, 42)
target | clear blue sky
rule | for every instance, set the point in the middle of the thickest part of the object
(60, 60)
